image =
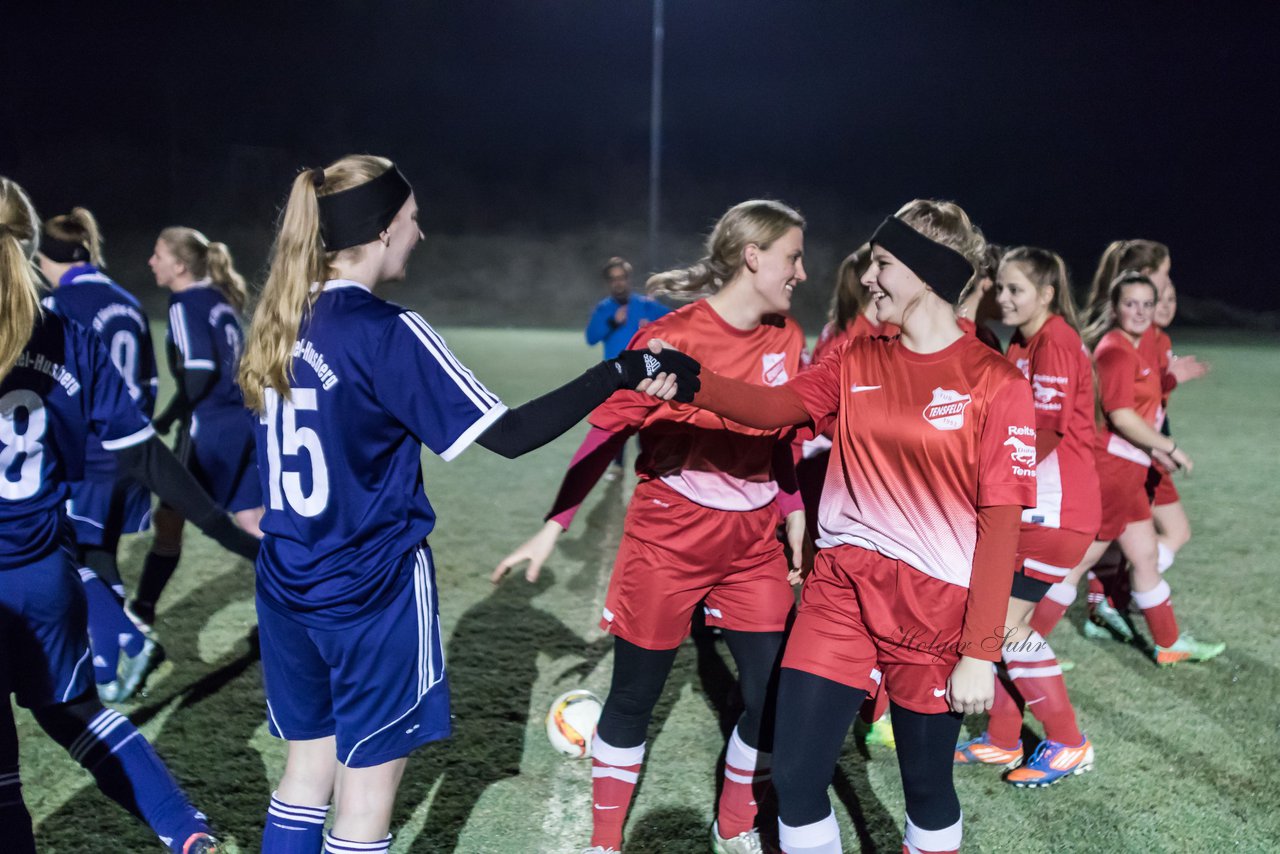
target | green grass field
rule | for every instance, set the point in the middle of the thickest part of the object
(1187, 757)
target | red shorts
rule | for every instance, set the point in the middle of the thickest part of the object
(676, 553)
(1124, 494)
(1048, 554)
(868, 621)
(1160, 488)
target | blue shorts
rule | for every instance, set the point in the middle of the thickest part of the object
(378, 685)
(102, 510)
(223, 460)
(44, 637)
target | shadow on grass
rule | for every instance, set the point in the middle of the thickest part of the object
(205, 743)
(493, 665)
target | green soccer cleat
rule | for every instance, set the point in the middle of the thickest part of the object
(1106, 623)
(1187, 648)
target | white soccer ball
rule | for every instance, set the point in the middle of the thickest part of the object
(571, 722)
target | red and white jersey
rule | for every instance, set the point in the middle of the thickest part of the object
(708, 459)
(922, 441)
(1129, 377)
(1057, 364)
(1157, 347)
(860, 327)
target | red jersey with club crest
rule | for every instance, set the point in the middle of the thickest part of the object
(1129, 377)
(1057, 365)
(708, 459)
(922, 441)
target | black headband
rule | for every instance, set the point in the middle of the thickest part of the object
(62, 251)
(940, 267)
(358, 215)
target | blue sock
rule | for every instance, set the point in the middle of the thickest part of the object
(110, 629)
(292, 829)
(334, 845)
(126, 769)
(15, 821)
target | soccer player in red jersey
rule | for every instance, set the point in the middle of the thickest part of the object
(1130, 393)
(701, 524)
(919, 524)
(852, 314)
(1034, 295)
(1173, 530)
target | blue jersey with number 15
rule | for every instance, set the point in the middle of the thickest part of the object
(62, 390)
(340, 460)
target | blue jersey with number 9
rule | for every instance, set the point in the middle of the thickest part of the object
(63, 389)
(340, 459)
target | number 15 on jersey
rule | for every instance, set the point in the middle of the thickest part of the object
(285, 438)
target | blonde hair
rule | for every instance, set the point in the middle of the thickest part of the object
(19, 293)
(1046, 269)
(80, 227)
(849, 297)
(298, 260)
(206, 259)
(948, 224)
(1106, 319)
(1145, 256)
(759, 221)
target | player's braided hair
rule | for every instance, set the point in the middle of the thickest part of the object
(19, 294)
(298, 260)
(759, 221)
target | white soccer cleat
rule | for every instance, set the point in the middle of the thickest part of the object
(747, 842)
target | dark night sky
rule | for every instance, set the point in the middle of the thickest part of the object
(1064, 125)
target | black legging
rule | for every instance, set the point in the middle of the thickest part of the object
(816, 714)
(639, 674)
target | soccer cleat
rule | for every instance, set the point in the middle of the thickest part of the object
(881, 732)
(1187, 648)
(747, 842)
(1052, 761)
(1105, 623)
(141, 614)
(980, 751)
(109, 692)
(201, 843)
(133, 669)
(599, 849)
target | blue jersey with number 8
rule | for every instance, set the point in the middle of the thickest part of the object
(340, 460)
(63, 389)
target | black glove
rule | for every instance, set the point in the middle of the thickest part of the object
(636, 366)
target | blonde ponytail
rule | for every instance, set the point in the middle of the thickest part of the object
(222, 272)
(759, 221)
(298, 261)
(79, 227)
(19, 294)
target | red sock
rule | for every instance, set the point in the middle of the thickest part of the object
(1004, 729)
(1052, 607)
(1157, 607)
(1096, 591)
(1036, 674)
(746, 777)
(614, 772)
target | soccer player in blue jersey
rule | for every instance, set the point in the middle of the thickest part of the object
(203, 346)
(58, 387)
(348, 388)
(104, 505)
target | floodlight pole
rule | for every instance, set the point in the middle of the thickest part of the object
(655, 133)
